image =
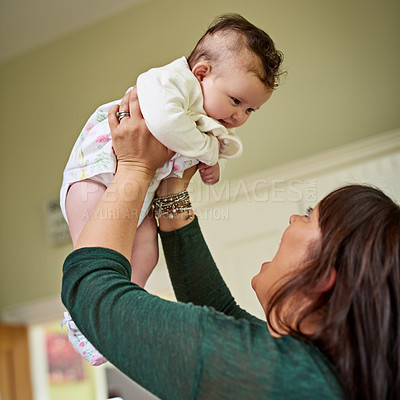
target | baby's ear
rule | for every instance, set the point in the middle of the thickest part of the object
(201, 70)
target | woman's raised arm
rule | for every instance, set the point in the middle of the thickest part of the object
(113, 222)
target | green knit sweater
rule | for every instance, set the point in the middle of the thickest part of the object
(202, 347)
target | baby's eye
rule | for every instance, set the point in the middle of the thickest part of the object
(236, 101)
(308, 212)
(250, 110)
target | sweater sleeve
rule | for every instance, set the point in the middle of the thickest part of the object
(165, 99)
(141, 334)
(194, 275)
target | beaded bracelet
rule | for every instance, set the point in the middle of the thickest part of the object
(172, 204)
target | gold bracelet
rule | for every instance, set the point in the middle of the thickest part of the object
(172, 204)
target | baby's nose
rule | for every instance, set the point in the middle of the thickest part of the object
(239, 117)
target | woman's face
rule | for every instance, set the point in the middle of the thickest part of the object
(293, 251)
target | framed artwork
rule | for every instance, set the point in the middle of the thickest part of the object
(64, 364)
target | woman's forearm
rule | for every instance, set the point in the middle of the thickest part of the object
(114, 221)
(173, 186)
(193, 272)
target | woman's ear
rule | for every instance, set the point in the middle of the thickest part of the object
(329, 281)
(201, 70)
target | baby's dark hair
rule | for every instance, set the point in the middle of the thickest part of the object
(247, 38)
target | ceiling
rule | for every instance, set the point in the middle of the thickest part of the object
(25, 24)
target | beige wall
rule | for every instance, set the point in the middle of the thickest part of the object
(343, 84)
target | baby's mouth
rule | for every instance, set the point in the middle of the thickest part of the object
(224, 123)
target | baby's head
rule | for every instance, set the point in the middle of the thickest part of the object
(237, 66)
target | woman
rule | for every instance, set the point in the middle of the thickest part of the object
(331, 294)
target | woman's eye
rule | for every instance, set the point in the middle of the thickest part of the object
(250, 110)
(308, 212)
(236, 101)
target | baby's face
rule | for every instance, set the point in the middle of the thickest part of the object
(233, 95)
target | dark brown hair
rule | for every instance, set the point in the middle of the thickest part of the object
(360, 316)
(247, 36)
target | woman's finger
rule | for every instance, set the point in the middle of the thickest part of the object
(134, 107)
(133, 94)
(112, 117)
(113, 120)
(124, 106)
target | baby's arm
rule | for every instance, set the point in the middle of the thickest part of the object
(209, 174)
(164, 99)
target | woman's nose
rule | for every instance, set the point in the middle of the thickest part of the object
(293, 218)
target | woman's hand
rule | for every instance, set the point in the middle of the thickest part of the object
(134, 146)
(175, 185)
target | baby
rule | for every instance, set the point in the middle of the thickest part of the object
(191, 106)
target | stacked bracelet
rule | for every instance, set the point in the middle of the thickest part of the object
(172, 204)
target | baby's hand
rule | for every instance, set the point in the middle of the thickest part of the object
(209, 174)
